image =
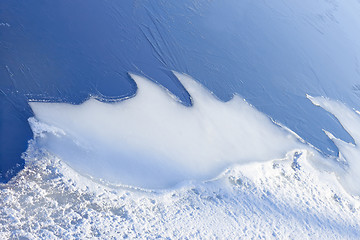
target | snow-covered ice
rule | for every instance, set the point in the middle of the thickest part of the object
(233, 173)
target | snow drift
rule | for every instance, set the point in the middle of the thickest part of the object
(153, 141)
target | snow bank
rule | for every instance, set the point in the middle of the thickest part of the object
(153, 141)
(281, 199)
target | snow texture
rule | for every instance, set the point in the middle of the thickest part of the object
(278, 199)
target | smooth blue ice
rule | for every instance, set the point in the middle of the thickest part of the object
(272, 53)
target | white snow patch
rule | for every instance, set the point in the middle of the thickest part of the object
(152, 141)
(349, 153)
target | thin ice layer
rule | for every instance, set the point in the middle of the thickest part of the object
(153, 141)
